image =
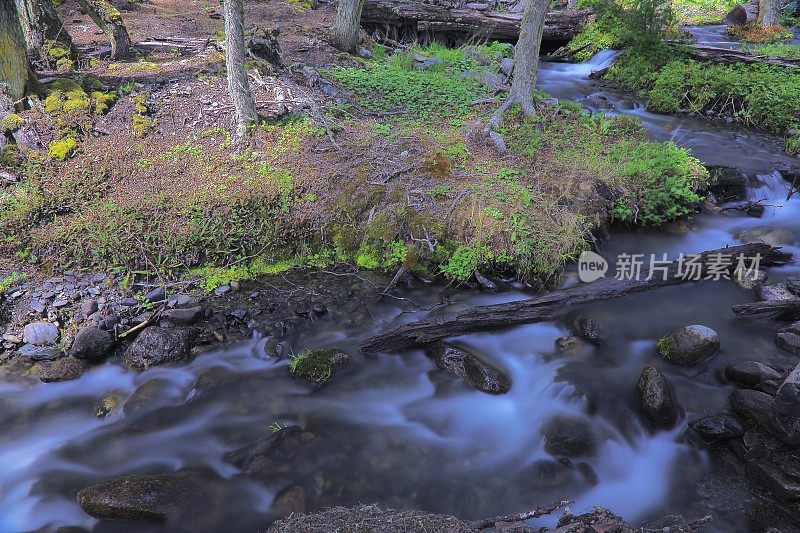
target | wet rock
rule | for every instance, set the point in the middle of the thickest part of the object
(750, 446)
(793, 285)
(767, 235)
(787, 399)
(789, 341)
(485, 283)
(589, 475)
(180, 499)
(749, 374)
(187, 316)
(470, 369)
(159, 294)
(288, 501)
(88, 307)
(749, 279)
(730, 185)
(655, 399)
(570, 345)
(569, 436)
(752, 404)
(156, 346)
(548, 474)
(773, 292)
(148, 395)
(271, 457)
(778, 482)
(40, 334)
(320, 365)
(718, 426)
(589, 330)
(40, 353)
(107, 405)
(785, 427)
(689, 345)
(91, 343)
(65, 369)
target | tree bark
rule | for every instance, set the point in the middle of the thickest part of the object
(345, 29)
(411, 19)
(109, 19)
(526, 55)
(41, 25)
(768, 11)
(238, 84)
(554, 305)
(14, 67)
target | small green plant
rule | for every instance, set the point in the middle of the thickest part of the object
(462, 264)
(793, 145)
(10, 280)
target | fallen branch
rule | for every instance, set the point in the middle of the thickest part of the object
(725, 55)
(556, 304)
(760, 308)
(486, 523)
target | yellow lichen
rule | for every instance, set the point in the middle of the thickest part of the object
(142, 125)
(11, 122)
(62, 149)
(103, 101)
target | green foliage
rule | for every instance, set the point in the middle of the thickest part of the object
(793, 145)
(782, 50)
(9, 281)
(758, 95)
(213, 276)
(462, 264)
(703, 11)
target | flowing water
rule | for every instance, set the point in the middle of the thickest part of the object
(388, 433)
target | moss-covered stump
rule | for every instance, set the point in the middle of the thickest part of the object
(319, 365)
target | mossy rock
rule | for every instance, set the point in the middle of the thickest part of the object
(11, 123)
(319, 365)
(689, 345)
(62, 149)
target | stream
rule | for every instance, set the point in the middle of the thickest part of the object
(388, 434)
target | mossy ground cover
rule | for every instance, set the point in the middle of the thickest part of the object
(417, 189)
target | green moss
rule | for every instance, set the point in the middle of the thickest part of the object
(318, 365)
(213, 277)
(62, 149)
(793, 145)
(66, 96)
(11, 122)
(9, 281)
(665, 347)
(103, 101)
(142, 125)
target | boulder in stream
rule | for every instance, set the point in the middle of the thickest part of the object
(91, 343)
(750, 374)
(569, 436)
(471, 369)
(272, 457)
(689, 344)
(589, 330)
(64, 369)
(767, 235)
(718, 426)
(787, 399)
(655, 399)
(157, 346)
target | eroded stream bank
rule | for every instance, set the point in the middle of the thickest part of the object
(397, 431)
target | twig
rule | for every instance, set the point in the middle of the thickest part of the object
(392, 284)
(486, 523)
(144, 324)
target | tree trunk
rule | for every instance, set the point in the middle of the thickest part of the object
(768, 11)
(110, 21)
(13, 56)
(238, 84)
(41, 25)
(344, 33)
(526, 55)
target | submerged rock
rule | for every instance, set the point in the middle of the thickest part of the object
(689, 345)
(719, 426)
(471, 369)
(767, 235)
(91, 343)
(655, 399)
(750, 374)
(730, 185)
(320, 365)
(589, 330)
(148, 395)
(548, 474)
(271, 457)
(65, 369)
(569, 436)
(157, 346)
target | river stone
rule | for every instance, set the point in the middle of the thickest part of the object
(589, 330)
(288, 501)
(689, 345)
(40, 334)
(749, 374)
(767, 235)
(91, 343)
(148, 396)
(773, 292)
(64, 369)
(753, 404)
(718, 426)
(787, 399)
(472, 370)
(748, 279)
(730, 185)
(40, 353)
(180, 499)
(569, 436)
(779, 483)
(570, 345)
(157, 346)
(655, 399)
(789, 341)
(272, 457)
(184, 316)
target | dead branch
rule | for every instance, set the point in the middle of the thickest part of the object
(486, 523)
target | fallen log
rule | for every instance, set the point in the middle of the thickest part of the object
(723, 55)
(780, 307)
(556, 304)
(413, 20)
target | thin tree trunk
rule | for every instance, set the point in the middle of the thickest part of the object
(41, 25)
(344, 33)
(14, 67)
(109, 19)
(526, 55)
(238, 84)
(768, 11)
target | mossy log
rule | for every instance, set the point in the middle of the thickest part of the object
(411, 20)
(724, 55)
(556, 304)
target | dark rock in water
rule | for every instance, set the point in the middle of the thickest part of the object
(569, 436)
(471, 369)
(65, 369)
(750, 446)
(789, 340)
(40, 334)
(773, 292)
(753, 404)
(184, 316)
(730, 185)
(785, 427)
(271, 458)
(777, 480)
(180, 500)
(40, 353)
(793, 285)
(588, 473)
(289, 501)
(719, 426)
(549, 475)
(570, 344)
(749, 374)
(767, 235)
(655, 399)
(589, 330)
(485, 283)
(787, 398)
(689, 345)
(156, 346)
(148, 395)
(91, 343)
(320, 365)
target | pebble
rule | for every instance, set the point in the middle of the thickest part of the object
(222, 289)
(60, 303)
(40, 334)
